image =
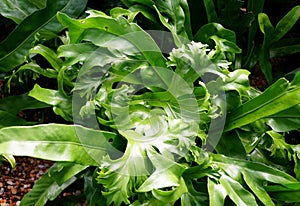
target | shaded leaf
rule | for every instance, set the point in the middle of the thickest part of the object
(286, 192)
(43, 190)
(61, 172)
(20, 102)
(18, 10)
(286, 23)
(7, 119)
(15, 46)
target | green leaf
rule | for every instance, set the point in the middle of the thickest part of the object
(286, 192)
(14, 48)
(62, 105)
(264, 55)
(129, 3)
(238, 81)
(48, 54)
(20, 102)
(119, 27)
(286, 23)
(233, 167)
(210, 11)
(214, 29)
(75, 144)
(76, 52)
(167, 174)
(10, 159)
(217, 193)
(255, 7)
(257, 189)
(224, 39)
(175, 15)
(241, 180)
(130, 13)
(18, 10)
(193, 197)
(7, 119)
(285, 47)
(192, 62)
(237, 193)
(116, 45)
(43, 190)
(278, 97)
(265, 64)
(171, 196)
(93, 192)
(286, 120)
(153, 143)
(36, 69)
(230, 145)
(61, 172)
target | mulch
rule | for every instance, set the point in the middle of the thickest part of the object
(15, 183)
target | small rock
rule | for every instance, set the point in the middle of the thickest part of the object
(9, 182)
(14, 191)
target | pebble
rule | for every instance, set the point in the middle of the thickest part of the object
(15, 183)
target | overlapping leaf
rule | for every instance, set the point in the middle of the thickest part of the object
(14, 48)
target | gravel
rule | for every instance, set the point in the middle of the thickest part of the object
(15, 183)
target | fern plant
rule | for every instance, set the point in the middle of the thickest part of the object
(156, 118)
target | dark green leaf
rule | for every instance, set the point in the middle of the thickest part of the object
(18, 10)
(62, 172)
(231, 15)
(255, 7)
(20, 102)
(285, 47)
(15, 46)
(286, 192)
(93, 192)
(210, 11)
(267, 29)
(8, 119)
(286, 23)
(43, 190)
(230, 145)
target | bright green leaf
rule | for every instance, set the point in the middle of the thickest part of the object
(75, 144)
